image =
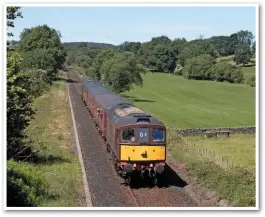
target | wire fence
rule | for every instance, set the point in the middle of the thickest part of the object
(211, 155)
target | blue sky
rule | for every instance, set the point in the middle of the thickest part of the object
(118, 24)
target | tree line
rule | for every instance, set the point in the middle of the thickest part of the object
(32, 67)
(194, 59)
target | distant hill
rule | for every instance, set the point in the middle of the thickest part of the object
(91, 45)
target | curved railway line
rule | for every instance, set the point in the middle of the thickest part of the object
(145, 195)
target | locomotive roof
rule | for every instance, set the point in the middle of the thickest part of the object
(126, 114)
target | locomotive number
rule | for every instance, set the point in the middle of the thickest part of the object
(143, 134)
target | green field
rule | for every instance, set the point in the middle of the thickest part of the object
(182, 103)
(239, 148)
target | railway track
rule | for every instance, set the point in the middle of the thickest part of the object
(143, 196)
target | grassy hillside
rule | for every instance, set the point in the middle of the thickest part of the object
(183, 103)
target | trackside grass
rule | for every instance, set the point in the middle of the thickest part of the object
(183, 103)
(50, 132)
(237, 185)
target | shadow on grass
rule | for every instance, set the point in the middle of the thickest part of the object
(48, 159)
(135, 99)
(168, 178)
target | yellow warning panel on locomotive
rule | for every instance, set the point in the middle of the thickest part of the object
(142, 153)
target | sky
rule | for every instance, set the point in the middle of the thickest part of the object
(116, 25)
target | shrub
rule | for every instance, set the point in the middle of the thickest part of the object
(252, 81)
(237, 76)
(26, 185)
(198, 67)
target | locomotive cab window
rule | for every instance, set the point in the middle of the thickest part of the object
(128, 135)
(158, 135)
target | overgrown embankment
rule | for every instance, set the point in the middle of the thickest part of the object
(54, 177)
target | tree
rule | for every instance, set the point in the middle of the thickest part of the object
(242, 54)
(11, 14)
(197, 48)
(163, 58)
(198, 68)
(225, 72)
(100, 58)
(19, 110)
(178, 44)
(42, 49)
(221, 44)
(130, 46)
(121, 72)
(245, 37)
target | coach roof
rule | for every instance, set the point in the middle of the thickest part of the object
(103, 97)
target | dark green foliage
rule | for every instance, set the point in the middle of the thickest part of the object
(102, 56)
(42, 49)
(245, 37)
(242, 54)
(19, 100)
(204, 68)
(198, 68)
(153, 53)
(196, 48)
(221, 44)
(162, 58)
(26, 185)
(121, 71)
(130, 46)
(237, 76)
(226, 72)
(89, 45)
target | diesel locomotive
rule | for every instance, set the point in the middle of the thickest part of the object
(135, 139)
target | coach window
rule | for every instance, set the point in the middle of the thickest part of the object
(128, 135)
